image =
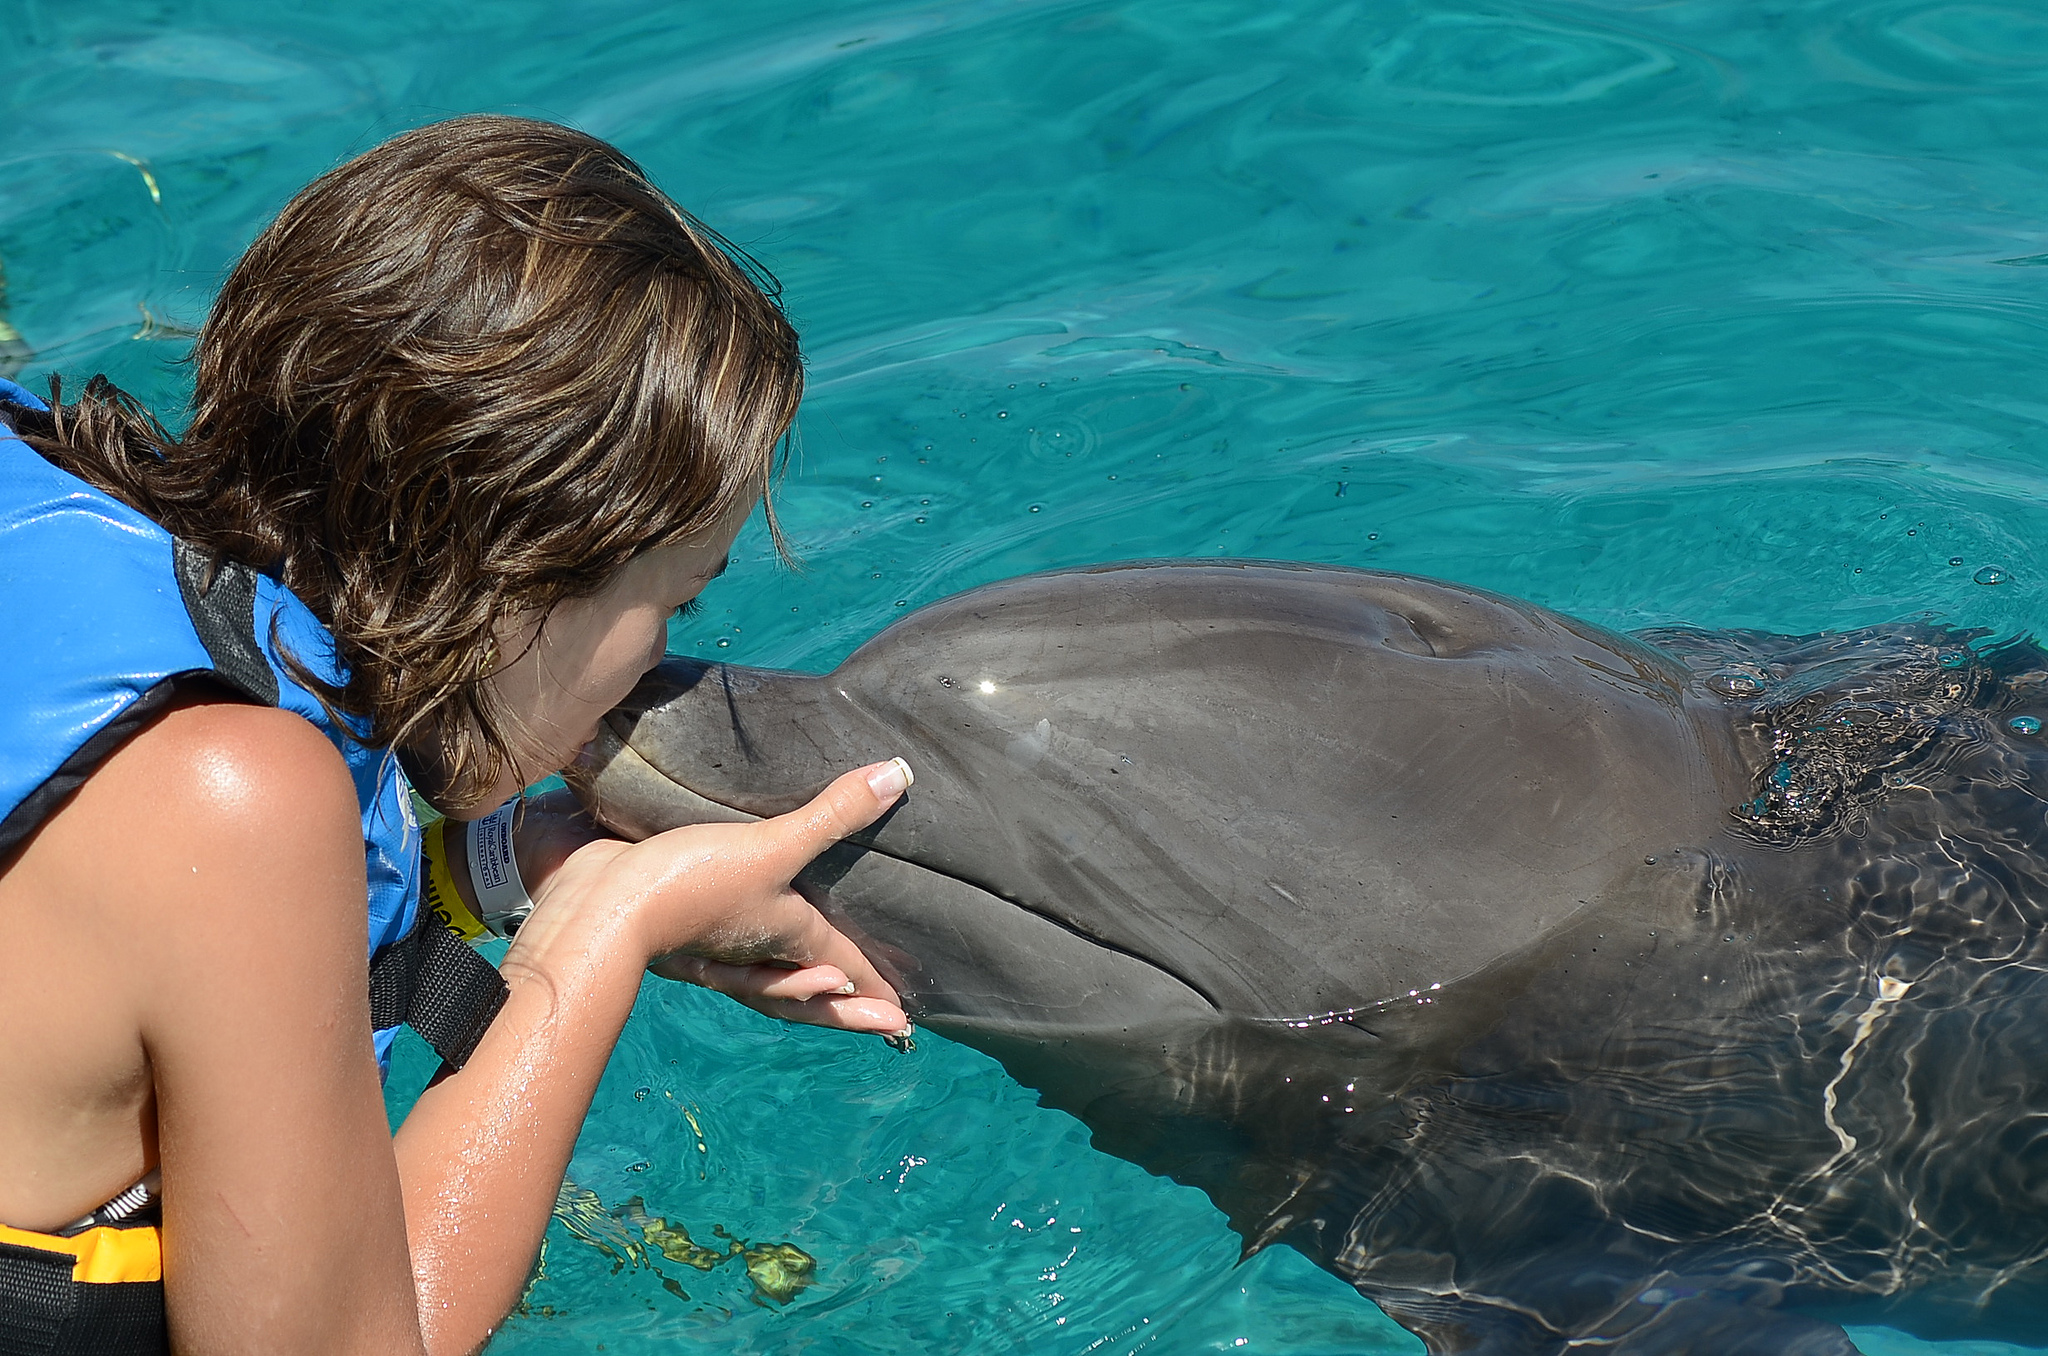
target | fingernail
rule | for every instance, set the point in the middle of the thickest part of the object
(891, 779)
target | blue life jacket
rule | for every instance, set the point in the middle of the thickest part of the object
(106, 617)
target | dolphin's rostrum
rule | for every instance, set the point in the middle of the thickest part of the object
(1554, 987)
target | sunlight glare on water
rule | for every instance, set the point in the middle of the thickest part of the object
(1702, 312)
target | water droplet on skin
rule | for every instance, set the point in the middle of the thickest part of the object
(723, 643)
(1990, 574)
(1372, 536)
(1649, 861)
(867, 503)
(920, 520)
(1035, 508)
(2026, 725)
(1955, 560)
(1002, 414)
(1912, 531)
(903, 602)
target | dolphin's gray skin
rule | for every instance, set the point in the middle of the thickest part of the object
(1561, 990)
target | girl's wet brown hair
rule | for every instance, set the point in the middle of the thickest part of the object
(468, 374)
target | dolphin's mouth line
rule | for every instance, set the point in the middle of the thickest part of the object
(1062, 924)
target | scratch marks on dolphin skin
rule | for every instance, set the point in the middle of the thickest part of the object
(732, 708)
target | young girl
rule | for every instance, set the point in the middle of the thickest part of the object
(472, 419)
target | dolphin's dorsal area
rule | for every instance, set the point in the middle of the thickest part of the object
(1554, 986)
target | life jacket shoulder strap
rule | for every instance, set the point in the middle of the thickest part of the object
(220, 595)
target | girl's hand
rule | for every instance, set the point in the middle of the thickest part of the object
(712, 904)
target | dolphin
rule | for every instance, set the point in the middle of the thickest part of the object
(1557, 988)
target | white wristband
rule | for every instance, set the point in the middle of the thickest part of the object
(501, 900)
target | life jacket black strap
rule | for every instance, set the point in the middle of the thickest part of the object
(431, 981)
(220, 597)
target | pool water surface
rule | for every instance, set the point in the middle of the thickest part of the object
(1652, 311)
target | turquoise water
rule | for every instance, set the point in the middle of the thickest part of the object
(1723, 313)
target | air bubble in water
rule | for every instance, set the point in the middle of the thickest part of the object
(2026, 725)
(1990, 574)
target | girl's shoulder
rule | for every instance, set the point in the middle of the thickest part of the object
(215, 850)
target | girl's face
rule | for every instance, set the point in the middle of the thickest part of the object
(565, 671)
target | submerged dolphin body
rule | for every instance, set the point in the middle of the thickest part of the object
(1553, 987)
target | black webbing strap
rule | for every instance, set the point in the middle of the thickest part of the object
(37, 1298)
(220, 597)
(432, 982)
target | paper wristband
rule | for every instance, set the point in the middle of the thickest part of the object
(438, 894)
(501, 899)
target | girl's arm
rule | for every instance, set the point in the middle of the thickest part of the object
(232, 921)
(483, 1151)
